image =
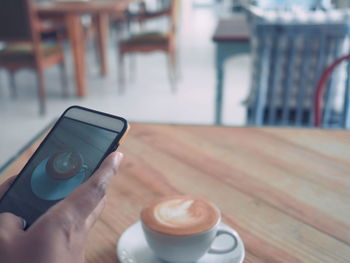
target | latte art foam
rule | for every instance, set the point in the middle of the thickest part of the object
(180, 215)
(175, 213)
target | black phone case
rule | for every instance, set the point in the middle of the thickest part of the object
(114, 145)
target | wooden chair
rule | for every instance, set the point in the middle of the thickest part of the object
(20, 29)
(144, 11)
(146, 42)
(330, 112)
(289, 60)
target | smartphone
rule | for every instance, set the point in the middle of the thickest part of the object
(71, 152)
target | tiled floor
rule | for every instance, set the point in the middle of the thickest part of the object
(148, 97)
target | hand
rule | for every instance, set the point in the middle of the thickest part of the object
(58, 236)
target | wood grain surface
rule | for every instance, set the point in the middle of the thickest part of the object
(286, 191)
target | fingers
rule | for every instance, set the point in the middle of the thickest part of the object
(11, 223)
(85, 199)
(107, 170)
(6, 185)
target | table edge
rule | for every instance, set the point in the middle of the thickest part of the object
(51, 123)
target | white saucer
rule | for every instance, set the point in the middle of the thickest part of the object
(132, 248)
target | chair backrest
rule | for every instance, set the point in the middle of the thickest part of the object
(18, 22)
(171, 8)
(330, 112)
(289, 60)
(15, 20)
(168, 8)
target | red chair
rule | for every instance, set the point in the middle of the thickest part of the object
(320, 89)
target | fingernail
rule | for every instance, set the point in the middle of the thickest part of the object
(24, 223)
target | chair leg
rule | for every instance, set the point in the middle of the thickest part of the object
(1, 92)
(132, 67)
(174, 63)
(64, 81)
(121, 73)
(176, 59)
(96, 55)
(172, 72)
(13, 87)
(41, 92)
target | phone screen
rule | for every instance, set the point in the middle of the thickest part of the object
(65, 160)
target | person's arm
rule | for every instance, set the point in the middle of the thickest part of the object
(60, 234)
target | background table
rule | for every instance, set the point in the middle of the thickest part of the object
(231, 37)
(70, 12)
(286, 191)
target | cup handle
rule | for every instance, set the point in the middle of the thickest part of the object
(224, 250)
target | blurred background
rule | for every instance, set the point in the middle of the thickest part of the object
(203, 62)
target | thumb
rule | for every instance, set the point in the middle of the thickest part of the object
(11, 222)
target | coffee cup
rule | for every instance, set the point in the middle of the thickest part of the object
(65, 165)
(183, 228)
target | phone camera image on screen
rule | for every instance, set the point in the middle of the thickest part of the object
(67, 159)
(58, 175)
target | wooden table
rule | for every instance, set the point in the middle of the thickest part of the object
(286, 191)
(231, 38)
(71, 12)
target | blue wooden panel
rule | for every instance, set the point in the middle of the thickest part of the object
(321, 65)
(264, 50)
(346, 103)
(286, 4)
(286, 74)
(275, 78)
(290, 57)
(304, 76)
(328, 105)
(307, 30)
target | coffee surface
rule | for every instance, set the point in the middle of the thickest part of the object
(180, 215)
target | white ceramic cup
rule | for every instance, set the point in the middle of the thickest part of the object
(187, 248)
